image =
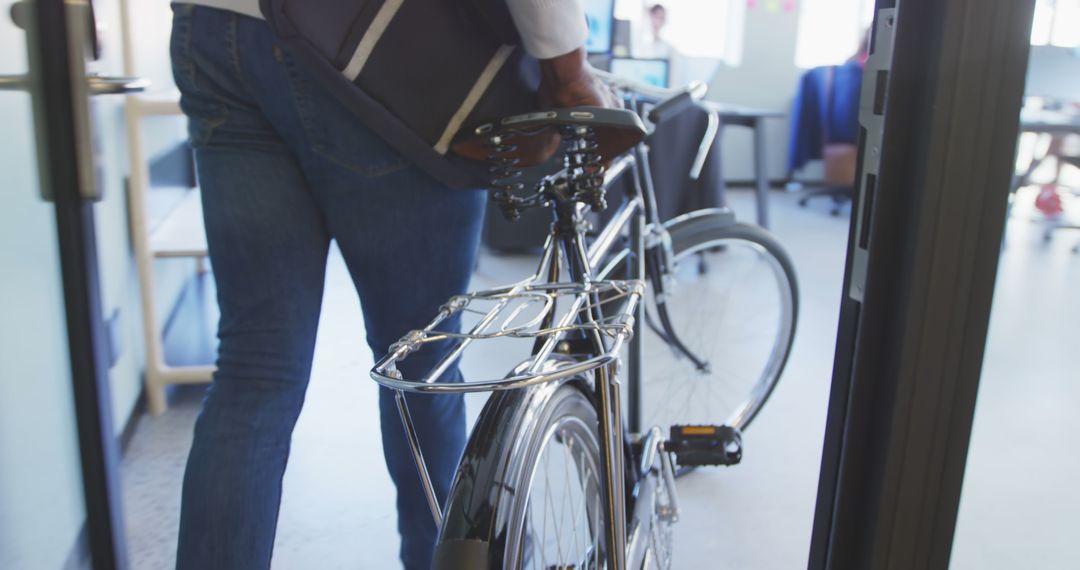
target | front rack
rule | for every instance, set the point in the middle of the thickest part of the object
(544, 312)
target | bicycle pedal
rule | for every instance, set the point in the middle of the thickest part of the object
(700, 445)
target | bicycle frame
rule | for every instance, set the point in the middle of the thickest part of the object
(581, 263)
(637, 216)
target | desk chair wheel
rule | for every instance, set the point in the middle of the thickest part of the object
(838, 195)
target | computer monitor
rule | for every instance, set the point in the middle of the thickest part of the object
(601, 17)
(655, 72)
(1054, 73)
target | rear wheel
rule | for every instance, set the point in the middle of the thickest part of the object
(528, 495)
(559, 523)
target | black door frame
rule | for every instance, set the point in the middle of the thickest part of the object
(60, 156)
(909, 353)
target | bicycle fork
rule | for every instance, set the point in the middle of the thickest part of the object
(665, 329)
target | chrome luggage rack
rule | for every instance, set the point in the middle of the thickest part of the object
(526, 310)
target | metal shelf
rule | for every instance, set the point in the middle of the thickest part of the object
(178, 234)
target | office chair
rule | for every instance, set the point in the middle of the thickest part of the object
(825, 126)
(1055, 226)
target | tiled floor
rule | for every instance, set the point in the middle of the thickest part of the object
(337, 509)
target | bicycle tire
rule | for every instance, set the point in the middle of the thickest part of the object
(714, 234)
(486, 518)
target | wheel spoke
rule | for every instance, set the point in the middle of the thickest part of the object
(732, 318)
(559, 496)
(569, 443)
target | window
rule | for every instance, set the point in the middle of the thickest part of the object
(710, 29)
(1057, 23)
(830, 31)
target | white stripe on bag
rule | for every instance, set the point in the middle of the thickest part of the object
(477, 91)
(371, 37)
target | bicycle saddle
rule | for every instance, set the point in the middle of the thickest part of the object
(535, 137)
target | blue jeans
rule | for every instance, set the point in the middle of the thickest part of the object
(284, 168)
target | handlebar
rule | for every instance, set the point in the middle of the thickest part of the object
(669, 102)
(677, 103)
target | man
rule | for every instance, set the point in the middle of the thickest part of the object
(284, 168)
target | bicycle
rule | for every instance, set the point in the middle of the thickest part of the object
(637, 286)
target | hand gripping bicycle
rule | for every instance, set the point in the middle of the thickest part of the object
(701, 308)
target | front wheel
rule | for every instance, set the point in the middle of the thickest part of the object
(731, 298)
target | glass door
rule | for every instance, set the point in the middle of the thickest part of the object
(44, 515)
(57, 452)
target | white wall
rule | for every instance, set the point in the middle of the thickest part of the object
(119, 292)
(151, 25)
(766, 79)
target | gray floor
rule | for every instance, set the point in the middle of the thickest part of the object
(337, 510)
(1019, 505)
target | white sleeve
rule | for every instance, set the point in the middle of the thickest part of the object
(549, 28)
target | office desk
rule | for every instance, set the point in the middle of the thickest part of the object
(751, 118)
(1050, 122)
(1057, 124)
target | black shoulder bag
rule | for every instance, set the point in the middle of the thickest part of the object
(414, 71)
